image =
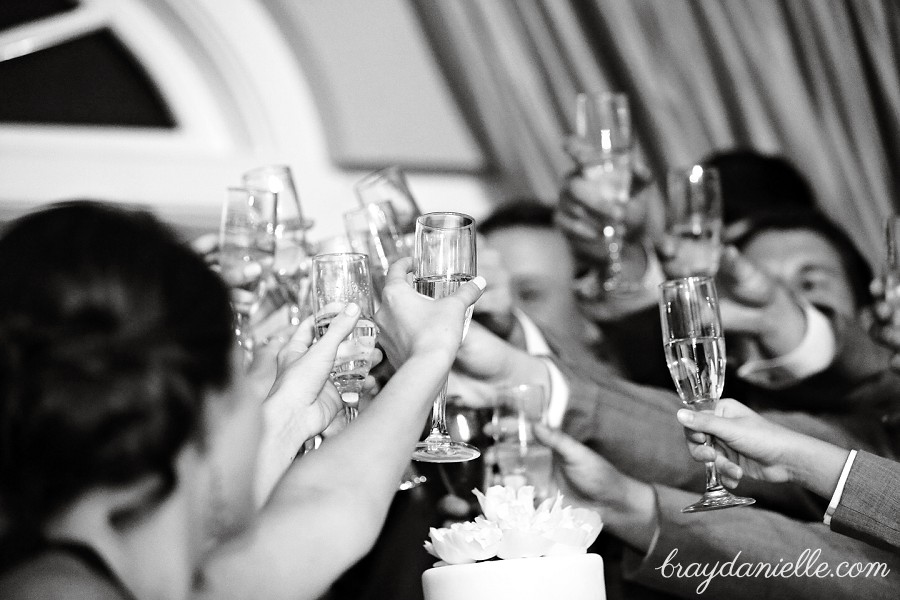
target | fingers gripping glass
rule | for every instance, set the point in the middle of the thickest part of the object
(695, 355)
(444, 260)
(338, 280)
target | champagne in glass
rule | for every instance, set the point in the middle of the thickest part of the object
(695, 355)
(291, 268)
(602, 148)
(338, 280)
(246, 254)
(445, 259)
(692, 245)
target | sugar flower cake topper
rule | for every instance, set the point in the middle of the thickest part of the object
(511, 527)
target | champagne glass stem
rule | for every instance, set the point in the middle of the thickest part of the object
(244, 336)
(612, 236)
(351, 405)
(438, 432)
(712, 474)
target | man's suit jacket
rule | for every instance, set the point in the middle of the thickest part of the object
(869, 509)
(760, 536)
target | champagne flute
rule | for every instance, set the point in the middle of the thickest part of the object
(338, 280)
(390, 185)
(372, 230)
(692, 244)
(291, 268)
(695, 355)
(520, 458)
(247, 252)
(602, 147)
(445, 258)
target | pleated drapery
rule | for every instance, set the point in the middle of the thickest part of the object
(815, 80)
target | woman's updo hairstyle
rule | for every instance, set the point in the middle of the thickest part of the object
(111, 333)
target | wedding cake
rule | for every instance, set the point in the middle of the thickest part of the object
(543, 551)
(578, 577)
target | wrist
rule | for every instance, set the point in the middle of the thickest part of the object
(814, 464)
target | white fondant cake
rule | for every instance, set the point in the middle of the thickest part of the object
(578, 577)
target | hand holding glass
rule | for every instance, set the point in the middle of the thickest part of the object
(445, 258)
(338, 280)
(602, 147)
(695, 355)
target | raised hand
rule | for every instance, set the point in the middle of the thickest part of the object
(410, 323)
(301, 401)
(748, 444)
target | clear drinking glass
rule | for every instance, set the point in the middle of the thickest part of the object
(445, 258)
(338, 280)
(390, 185)
(291, 268)
(692, 245)
(695, 354)
(247, 253)
(602, 147)
(520, 458)
(372, 230)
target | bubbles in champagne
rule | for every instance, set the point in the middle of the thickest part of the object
(697, 366)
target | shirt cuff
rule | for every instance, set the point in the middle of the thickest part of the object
(839, 490)
(559, 394)
(814, 354)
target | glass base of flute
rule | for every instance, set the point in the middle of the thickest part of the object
(439, 447)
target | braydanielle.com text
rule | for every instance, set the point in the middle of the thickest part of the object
(806, 565)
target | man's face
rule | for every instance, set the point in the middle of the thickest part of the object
(808, 263)
(541, 270)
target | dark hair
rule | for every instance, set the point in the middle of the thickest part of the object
(111, 332)
(754, 183)
(521, 212)
(856, 268)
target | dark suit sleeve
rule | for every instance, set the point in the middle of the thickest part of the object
(869, 509)
(750, 539)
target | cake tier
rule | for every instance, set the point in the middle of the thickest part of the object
(570, 577)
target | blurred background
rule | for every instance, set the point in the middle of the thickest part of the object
(163, 103)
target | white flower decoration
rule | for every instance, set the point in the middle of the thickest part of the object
(465, 542)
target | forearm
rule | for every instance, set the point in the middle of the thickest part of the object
(329, 507)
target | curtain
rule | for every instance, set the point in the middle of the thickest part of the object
(814, 80)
